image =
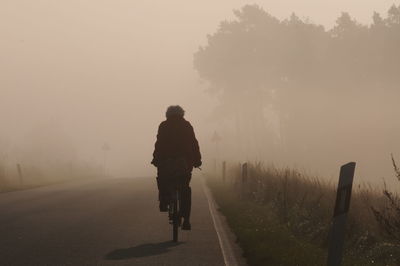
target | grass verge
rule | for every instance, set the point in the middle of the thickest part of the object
(269, 239)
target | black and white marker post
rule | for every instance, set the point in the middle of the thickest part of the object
(342, 205)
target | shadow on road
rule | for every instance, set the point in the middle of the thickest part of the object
(143, 250)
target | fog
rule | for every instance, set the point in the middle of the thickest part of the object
(78, 74)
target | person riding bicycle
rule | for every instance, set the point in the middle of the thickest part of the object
(176, 139)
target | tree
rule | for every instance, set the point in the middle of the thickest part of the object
(393, 18)
(258, 64)
(234, 64)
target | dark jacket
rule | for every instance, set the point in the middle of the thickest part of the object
(176, 138)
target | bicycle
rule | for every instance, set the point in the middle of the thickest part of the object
(175, 171)
(174, 211)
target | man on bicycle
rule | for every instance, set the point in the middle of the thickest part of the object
(176, 139)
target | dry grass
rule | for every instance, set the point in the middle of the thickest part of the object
(35, 175)
(304, 205)
(387, 212)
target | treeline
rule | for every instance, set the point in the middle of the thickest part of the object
(258, 50)
(304, 75)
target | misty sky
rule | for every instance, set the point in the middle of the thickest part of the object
(106, 70)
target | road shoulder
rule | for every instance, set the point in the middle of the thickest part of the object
(231, 251)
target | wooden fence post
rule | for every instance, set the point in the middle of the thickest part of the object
(343, 196)
(223, 171)
(21, 179)
(244, 178)
(244, 173)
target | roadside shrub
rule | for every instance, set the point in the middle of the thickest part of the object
(388, 212)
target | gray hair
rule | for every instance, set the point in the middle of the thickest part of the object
(174, 110)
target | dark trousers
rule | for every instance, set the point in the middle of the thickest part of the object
(165, 186)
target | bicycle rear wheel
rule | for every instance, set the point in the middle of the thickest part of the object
(177, 218)
(175, 221)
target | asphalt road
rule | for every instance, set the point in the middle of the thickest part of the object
(102, 222)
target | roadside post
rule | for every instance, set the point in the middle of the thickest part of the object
(21, 178)
(244, 177)
(106, 148)
(244, 173)
(216, 138)
(343, 196)
(223, 171)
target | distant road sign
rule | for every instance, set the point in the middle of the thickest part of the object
(216, 137)
(106, 147)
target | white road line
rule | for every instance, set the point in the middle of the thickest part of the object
(226, 246)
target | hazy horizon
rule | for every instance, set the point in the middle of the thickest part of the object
(105, 71)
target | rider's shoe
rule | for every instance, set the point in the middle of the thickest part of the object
(163, 207)
(186, 225)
